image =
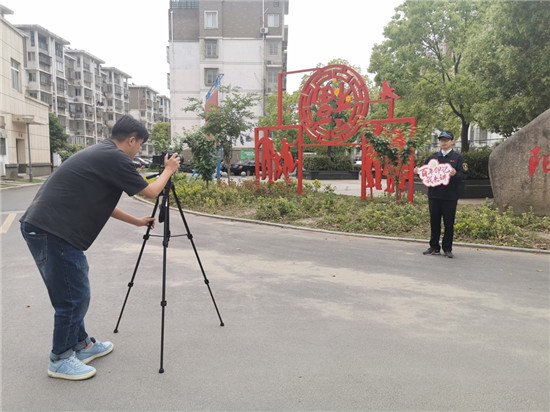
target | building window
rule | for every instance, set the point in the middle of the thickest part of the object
(273, 48)
(42, 42)
(32, 77)
(15, 75)
(272, 76)
(32, 38)
(272, 20)
(59, 65)
(31, 56)
(210, 76)
(210, 19)
(58, 50)
(211, 48)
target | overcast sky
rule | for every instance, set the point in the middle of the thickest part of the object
(132, 35)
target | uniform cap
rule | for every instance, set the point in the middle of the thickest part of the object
(446, 135)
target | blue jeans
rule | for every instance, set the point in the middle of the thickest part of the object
(64, 270)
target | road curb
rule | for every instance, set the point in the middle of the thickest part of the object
(362, 235)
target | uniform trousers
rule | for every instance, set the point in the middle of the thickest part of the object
(446, 209)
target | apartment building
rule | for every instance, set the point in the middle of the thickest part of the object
(24, 130)
(245, 40)
(115, 96)
(86, 96)
(163, 112)
(144, 106)
(86, 116)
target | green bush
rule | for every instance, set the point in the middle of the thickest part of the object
(317, 163)
(478, 162)
(320, 162)
(319, 207)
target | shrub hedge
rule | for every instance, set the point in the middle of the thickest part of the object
(323, 162)
(319, 207)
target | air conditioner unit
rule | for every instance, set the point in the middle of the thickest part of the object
(264, 30)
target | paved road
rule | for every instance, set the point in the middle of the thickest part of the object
(313, 322)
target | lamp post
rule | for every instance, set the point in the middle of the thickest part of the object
(28, 120)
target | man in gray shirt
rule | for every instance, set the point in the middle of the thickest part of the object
(64, 219)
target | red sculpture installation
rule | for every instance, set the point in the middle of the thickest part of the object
(333, 106)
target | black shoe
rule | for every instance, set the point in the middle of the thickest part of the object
(449, 254)
(431, 251)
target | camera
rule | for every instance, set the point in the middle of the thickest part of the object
(158, 160)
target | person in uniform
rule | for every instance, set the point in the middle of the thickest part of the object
(443, 199)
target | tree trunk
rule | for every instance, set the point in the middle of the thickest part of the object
(464, 142)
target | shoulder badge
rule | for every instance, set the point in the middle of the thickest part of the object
(465, 167)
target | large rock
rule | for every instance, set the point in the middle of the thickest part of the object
(519, 169)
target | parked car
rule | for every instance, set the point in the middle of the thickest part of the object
(142, 161)
(244, 168)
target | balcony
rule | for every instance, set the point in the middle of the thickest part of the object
(184, 4)
(44, 59)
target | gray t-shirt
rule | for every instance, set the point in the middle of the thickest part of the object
(76, 201)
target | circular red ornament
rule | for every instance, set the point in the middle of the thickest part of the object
(332, 104)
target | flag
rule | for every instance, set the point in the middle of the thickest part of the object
(212, 95)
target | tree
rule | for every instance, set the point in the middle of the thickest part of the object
(160, 137)
(58, 138)
(510, 61)
(202, 148)
(228, 122)
(422, 59)
(290, 116)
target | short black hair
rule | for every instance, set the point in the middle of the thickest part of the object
(127, 126)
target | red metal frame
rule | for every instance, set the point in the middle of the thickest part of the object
(332, 108)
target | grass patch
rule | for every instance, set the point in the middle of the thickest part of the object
(319, 207)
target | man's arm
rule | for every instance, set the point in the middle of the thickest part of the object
(128, 218)
(171, 165)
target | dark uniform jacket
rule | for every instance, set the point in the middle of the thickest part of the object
(452, 190)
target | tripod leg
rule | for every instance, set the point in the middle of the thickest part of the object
(190, 237)
(131, 283)
(166, 240)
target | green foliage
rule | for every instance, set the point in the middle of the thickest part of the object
(340, 163)
(70, 150)
(421, 58)
(229, 122)
(395, 157)
(160, 137)
(510, 63)
(58, 138)
(319, 207)
(485, 224)
(460, 62)
(478, 162)
(290, 116)
(203, 150)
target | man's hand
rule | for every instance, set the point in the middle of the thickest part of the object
(172, 163)
(144, 221)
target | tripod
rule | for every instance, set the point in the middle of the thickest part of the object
(164, 217)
